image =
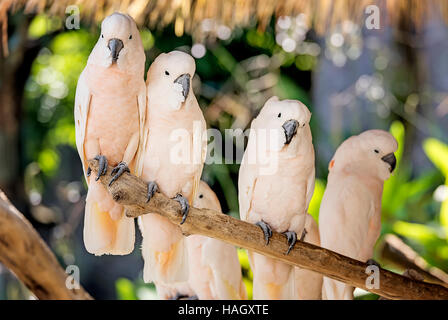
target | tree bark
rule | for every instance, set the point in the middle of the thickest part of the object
(130, 191)
(24, 252)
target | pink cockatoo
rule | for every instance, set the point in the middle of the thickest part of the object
(109, 109)
(350, 212)
(276, 183)
(308, 283)
(215, 271)
(175, 146)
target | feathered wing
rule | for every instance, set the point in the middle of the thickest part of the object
(81, 110)
(143, 130)
(247, 177)
(310, 188)
(222, 260)
(199, 154)
(343, 228)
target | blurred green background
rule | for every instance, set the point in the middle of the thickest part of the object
(352, 79)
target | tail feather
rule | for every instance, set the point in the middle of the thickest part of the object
(336, 290)
(104, 235)
(164, 263)
(273, 280)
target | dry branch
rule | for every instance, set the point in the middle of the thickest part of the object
(395, 252)
(24, 252)
(130, 191)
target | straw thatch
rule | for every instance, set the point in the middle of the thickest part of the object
(188, 15)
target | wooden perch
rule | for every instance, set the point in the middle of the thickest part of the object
(398, 254)
(130, 191)
(24, 252)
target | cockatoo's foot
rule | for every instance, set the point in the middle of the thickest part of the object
(184, 206)
(152, 188)
(304, 233)
(266, 230)
(121, 168)
(102, 167)
(372, 262)
(180, 296)
(292, 239)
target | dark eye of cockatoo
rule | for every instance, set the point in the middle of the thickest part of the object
(167, 73)
(376, 151)
(201, 196)
(279, 115)
(102, 36)
(130, 37)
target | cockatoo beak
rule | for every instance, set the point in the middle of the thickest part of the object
(391, 160)
(184, 81)
(115, 46)
(290, 128)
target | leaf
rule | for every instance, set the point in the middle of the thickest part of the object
(318, 194)
(415, 231)
(48, 161)
(125, 289)
(437, 152)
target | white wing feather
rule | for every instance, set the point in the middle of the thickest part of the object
(81, 110)
(143, 130)
(247, 178)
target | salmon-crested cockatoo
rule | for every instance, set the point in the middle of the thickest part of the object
(350, 212)
(276, 183)
(110, 106)
(215, 271)
(174, 153)
(309, 283)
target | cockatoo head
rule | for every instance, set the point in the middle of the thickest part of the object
(119, 45)
(206, 198)
(372, 152)
(286, 122)
(169, 77)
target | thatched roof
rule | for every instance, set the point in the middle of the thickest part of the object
(187, 15)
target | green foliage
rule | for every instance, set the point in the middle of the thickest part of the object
(286, 88)
(125, 289)
(437, 152)
(409, 208)
(319, 189)
(137, 290)
(247, 272)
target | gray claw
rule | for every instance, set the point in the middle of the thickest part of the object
(102, 166)
(180, 296)
(184, 206)
(121, 168)
(292, 239)
(372, 262)
(152, 188)
(266, 230)
(304, 233)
